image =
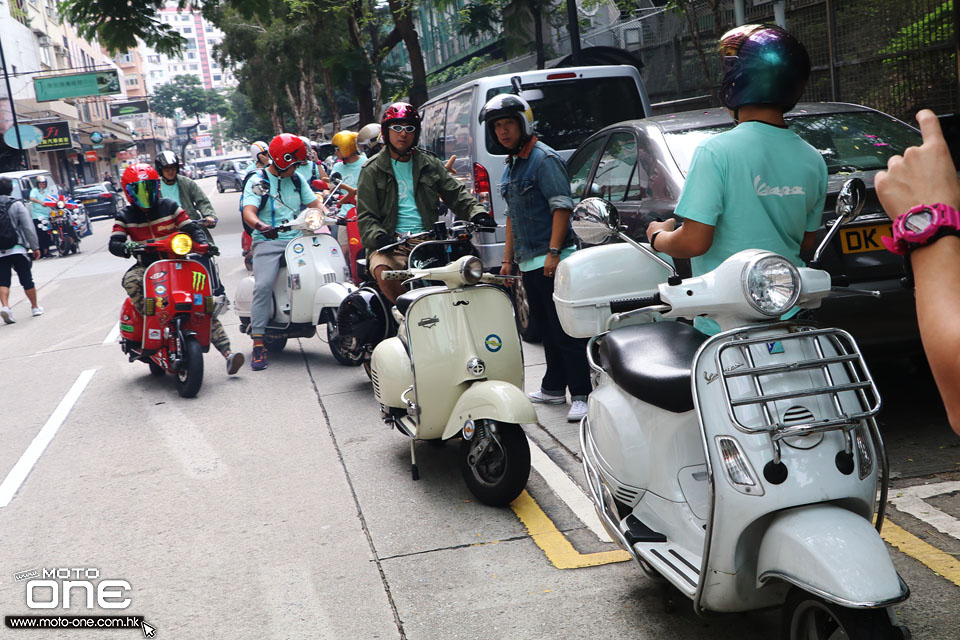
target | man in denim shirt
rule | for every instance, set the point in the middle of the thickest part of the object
(536, 188)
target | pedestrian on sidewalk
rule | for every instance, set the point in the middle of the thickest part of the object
(18, 243)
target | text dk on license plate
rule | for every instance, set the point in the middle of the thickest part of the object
(861, 239)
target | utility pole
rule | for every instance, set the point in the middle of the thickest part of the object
(573, 26)
(13, 108)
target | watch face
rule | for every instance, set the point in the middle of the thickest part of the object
(918, 222)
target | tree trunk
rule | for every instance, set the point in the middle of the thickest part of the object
(404, 20)
(538, 35)
(298, 115)
(331, 99)
(366, 102)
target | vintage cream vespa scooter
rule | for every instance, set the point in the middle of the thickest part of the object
(455, 368)
(743, 468)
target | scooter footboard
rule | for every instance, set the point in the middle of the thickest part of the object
(490, 400)
(830, 552)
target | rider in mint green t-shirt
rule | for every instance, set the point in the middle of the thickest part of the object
(758, 185)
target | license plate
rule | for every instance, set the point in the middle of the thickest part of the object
(863, 239)
(89, 201)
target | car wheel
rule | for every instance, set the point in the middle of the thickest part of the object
(219, 187)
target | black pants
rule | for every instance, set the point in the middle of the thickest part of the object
(566, 357)
(19, 263)
(43, 238)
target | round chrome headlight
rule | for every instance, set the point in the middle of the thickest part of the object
(313, 220)
(771, 284)
(471, 270)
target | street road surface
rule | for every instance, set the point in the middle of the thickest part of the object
(277, 505)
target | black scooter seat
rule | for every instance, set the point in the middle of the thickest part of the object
(652, 362)
(408, 298)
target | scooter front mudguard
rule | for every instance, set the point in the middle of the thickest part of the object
(490, 400)
(243, 298)
(830, 552)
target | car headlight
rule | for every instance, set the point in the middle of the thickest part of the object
(181, 244)
(313, 220)
(771, 284)
(471, 270)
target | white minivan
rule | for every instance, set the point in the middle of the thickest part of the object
(569, 104)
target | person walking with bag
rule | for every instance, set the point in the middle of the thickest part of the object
(18, 243)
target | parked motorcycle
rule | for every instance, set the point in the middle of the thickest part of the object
(63, 232)
(456, 369)
(174, 331)
(743, 468)
(364, 318)
(312, 282)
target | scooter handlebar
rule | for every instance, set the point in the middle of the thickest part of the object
(631, 304)
(398, 275)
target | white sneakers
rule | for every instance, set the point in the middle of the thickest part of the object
(7, 314)
(578, 409)
(539, 397)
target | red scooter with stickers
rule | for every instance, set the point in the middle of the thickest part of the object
(174, 331)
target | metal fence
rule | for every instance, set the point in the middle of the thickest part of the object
(894, 55)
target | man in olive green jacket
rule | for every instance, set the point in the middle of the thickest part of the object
(399, 191)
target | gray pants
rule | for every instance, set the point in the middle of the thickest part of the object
(266, 264)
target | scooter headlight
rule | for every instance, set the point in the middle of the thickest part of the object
(771, 284)
(471, 270)
(313, 220)
(181, 244)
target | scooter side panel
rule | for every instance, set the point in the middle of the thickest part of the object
(833, 550)
(390, 372)
(739, 521)
(243, 297)
(448, 328)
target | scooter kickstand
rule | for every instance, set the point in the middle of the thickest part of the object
(413, 460)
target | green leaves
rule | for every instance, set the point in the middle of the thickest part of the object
(119, 23)
(186, 94)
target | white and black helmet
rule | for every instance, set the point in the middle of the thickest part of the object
(507, 105)
(166, 158)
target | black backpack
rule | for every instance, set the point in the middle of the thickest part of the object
(262, 173)
(8, 232)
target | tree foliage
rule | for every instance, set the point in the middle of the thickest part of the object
(185, 95)
(118, 24)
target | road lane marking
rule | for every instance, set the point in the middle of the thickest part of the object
(553, 543)
(567, 490)
(912, 500)
(113, 335)
(941, 563)
(11, 484)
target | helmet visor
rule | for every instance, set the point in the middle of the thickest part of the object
(143, 193)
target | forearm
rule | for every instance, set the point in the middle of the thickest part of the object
(561, 222)
(936, 271)
(508, 243)
(250, 216)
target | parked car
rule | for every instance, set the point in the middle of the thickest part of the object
(230, 174)
(207, 171)
(640, 166)
(99, 199)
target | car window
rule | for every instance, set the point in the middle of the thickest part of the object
(579, 165)
(652, 179)
(617, 167)
(457, 131)
(431, 136)
(572, 110)
(859, 141)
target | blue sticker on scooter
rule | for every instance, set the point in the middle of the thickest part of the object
(493, 343)
(774, 347)
(298, 248)
(197, 299)
(160, 289)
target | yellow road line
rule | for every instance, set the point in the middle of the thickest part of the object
(554, 544)
(941, 563)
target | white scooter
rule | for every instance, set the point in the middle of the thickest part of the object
(742, 468)
(456, 369)
(312, 282)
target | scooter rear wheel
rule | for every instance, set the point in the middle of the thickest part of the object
(497, 473)
(340, 353)
(190, 376)
(807, 617)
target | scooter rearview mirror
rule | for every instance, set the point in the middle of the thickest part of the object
(850, 201)
(595, 220)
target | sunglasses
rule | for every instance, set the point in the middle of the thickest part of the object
(403, 128)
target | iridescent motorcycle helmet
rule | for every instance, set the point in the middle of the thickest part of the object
(762, 64)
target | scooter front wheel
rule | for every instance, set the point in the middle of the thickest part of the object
(190, 375)
(807, 617)
(495, 463)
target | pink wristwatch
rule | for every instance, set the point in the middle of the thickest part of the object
(921, 226)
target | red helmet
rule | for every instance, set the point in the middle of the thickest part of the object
(287, 149)
(400, 113)
(141, 185)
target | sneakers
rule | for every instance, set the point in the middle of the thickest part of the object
(234, 362)
(259, 360)
(7, 314)
(540, 397)
(578, 409)
(37, 311)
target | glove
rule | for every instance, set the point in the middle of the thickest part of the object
(213, 250)
(268, 232)
(484, 221)
(383, 240)
(129, 247)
